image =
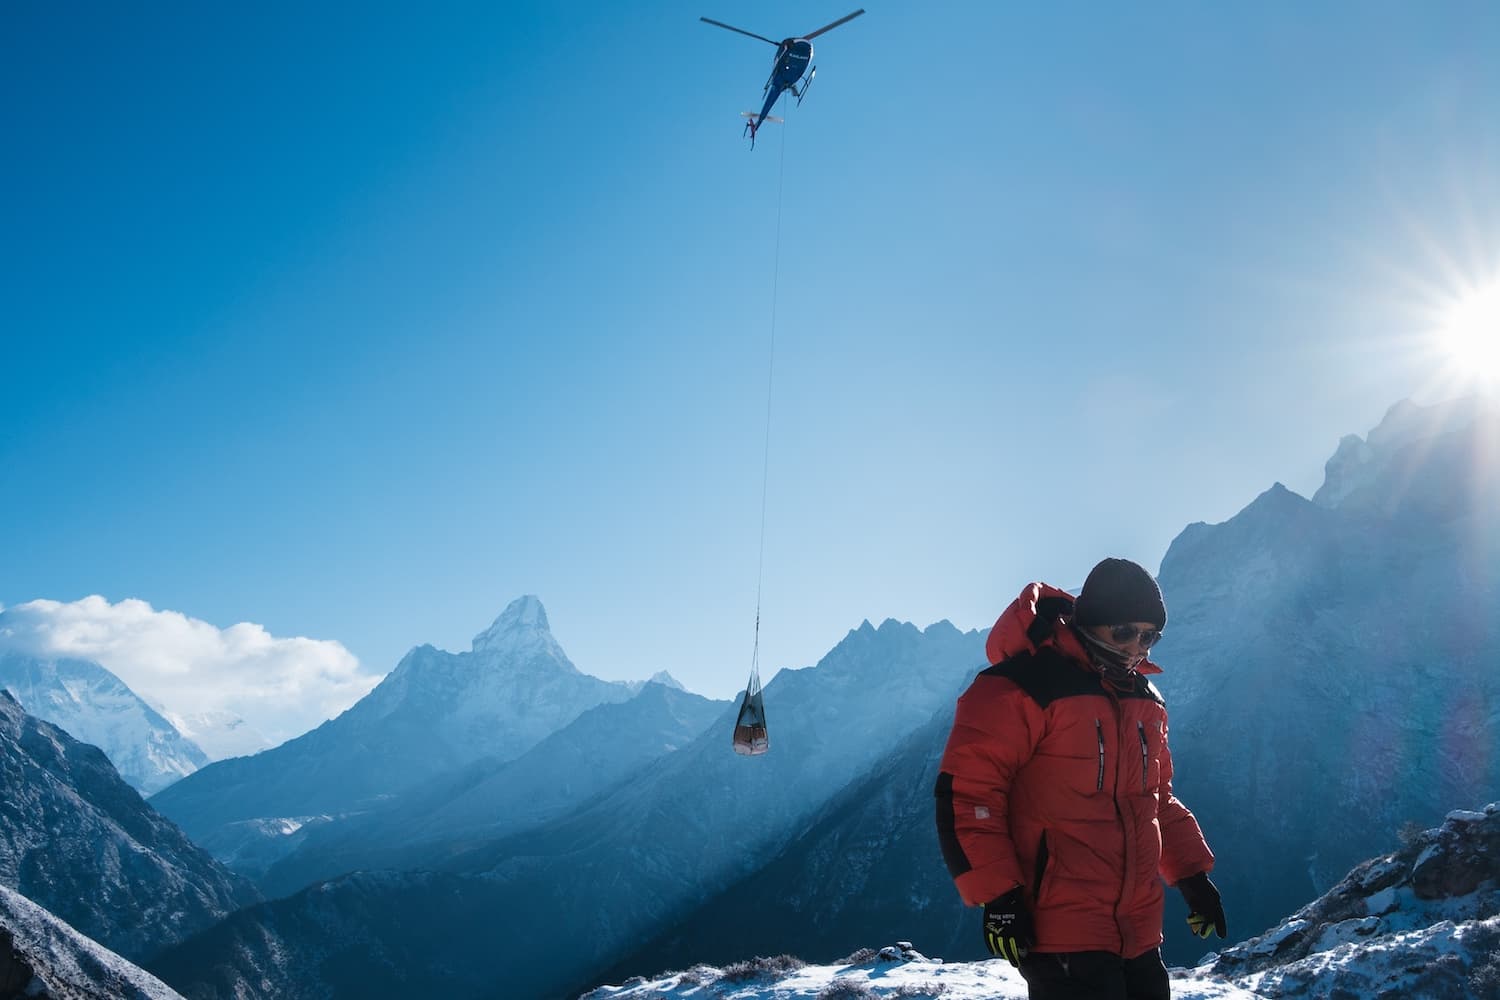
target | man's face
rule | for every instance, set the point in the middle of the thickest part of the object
(1132, 639)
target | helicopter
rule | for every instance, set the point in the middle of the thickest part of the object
(793, 57)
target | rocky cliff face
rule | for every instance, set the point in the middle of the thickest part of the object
(79, 841)
(1330, 665)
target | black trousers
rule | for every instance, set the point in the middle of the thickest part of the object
(1095, 975)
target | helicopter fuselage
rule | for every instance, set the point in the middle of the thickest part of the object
(793, 56)
(792, 59)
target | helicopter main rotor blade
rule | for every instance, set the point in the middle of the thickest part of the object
(751, 33)
(829, 27)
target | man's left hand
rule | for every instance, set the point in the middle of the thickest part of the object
(1205, 909)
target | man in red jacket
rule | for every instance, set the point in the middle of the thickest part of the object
(1054, 802)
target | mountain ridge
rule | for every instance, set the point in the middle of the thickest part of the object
(606, 744)
(435, 712)
(78, 840)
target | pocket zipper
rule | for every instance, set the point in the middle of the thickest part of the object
(1099, 731)
(1140, 728)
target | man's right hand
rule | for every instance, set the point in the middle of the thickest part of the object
(1008, 930)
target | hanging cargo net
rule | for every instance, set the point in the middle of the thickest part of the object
(750, 736)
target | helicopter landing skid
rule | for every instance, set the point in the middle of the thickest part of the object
(799, 94)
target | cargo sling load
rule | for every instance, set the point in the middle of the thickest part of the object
(793, 66)
(750, 736)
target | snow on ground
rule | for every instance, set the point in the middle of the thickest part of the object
(1407, 963)
(896, 971)
(66, 963)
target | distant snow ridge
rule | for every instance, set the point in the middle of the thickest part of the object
(42, 957)
(221, 734)
(661, 677)
(94, 706)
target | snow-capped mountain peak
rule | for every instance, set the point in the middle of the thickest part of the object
(95, 706)
(521, 630)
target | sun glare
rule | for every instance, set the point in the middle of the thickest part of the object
(1471, 333)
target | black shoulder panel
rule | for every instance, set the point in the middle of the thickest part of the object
(1047, 675)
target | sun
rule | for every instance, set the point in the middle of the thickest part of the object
(1471, 333)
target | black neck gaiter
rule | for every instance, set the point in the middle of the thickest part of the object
(1112, 662)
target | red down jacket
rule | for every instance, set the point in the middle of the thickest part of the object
(1055, 782)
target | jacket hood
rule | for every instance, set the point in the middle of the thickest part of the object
(1039, 618)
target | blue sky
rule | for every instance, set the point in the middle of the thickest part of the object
(358, 326)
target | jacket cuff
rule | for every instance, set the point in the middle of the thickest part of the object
(1174, 874)
(980, 885)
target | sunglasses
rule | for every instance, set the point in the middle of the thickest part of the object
(1121, 634)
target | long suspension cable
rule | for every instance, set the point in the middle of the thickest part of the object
(765, 470)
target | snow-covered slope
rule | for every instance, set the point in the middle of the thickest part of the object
(96, 707)
(78, 840)
(435, 713)
(1422, 923)
(43, 958)
(895, 970)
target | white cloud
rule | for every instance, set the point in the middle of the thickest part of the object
(281, 687)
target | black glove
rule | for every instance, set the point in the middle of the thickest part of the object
(1008, 930)
(1205, 910)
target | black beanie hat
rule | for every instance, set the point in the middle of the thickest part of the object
(1119, 591)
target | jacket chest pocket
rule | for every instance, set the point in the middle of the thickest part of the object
(1080, 760)
(1147, 740)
